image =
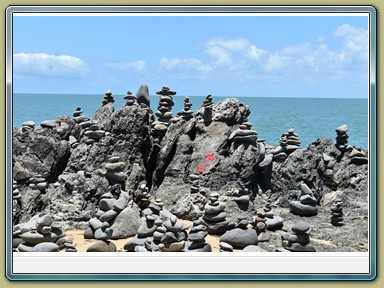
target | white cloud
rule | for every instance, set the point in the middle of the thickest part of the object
(49, 65)
(138, 66)
(185, 64)
(355, 40)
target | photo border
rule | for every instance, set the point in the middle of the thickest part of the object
(161, 277)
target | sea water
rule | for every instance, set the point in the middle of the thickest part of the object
(312, 118)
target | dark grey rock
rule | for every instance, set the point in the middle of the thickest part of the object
(240, 238)
(301, 209)
(127, 223)
(143, 95)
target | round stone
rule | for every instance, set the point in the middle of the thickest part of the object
(300, 227)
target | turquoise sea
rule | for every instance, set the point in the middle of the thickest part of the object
(312, 118)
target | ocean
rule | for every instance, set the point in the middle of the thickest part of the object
(312, 118)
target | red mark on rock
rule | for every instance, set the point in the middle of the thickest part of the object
(208, 159)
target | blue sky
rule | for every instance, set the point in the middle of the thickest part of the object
(280, 56)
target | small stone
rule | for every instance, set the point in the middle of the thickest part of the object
(102, 246)
(342, 129)
(300, 227)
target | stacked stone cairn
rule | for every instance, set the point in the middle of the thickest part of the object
(130, 99)
(241, 236)
(115, 170)
(299, 240)
(329, 163)
(306, 206)
(259, 221)
(342, 138)
(142, 196)
(243, 194)
(208, 106)
(28, 126)
(196, 238)
(186, 113)
(289, 142)
(174, 237)
(194, 180)
(273, 222)
(215, 218)
(164, 110)
(358, 156)
(37, 183)
(15, 191)
(79, 118)
(108, 98)
(41, 234)
(337, 214)
(244, 134)
(94, 132)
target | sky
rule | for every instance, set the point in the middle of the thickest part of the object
(261, 56)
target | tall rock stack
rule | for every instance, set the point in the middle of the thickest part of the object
(337, 214)
(174, 238)
(186, 113)
(164, 111)
(299, 240)
(196, 238)
(78, 116)
(306, 206)
(130, 98)
(194, 180)
(342, 137)
(108, 98)
(208, 106)
(115, 171)
(215, 218)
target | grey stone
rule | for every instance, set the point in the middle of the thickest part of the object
(36, 238)
(106, 204)
(48, 124)
(305, 189)
(308, 200)
(253, 248)
(127, 223)
(301, 209)
(88, 233)
(46, 247)
(240, 238)
(143, 95)
(102, 246)
(300, 227)
(108, 216)
(103, 234)
(275, 222)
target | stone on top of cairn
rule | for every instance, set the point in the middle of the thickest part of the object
(130, 98)
(108, 98)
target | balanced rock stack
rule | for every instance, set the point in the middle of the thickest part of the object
(358, 156)
(174, 237)
(186, 113)
(293, 141)
(37, 183)
(214, 217)
(244, 134)
(241, 236)
(243, 196)
(108, 98)
(42, 235)
(115, 170)
(299, 240)
(342, 137)
(166, 103)
(329, 163)
(259, 221)
(306, 206)
(142, 196)
(15, 191)
(207, 105)
(194, 180)
(196, 238)
(102, 232)
(337, 214)
(28, 126)
(78, 116)
(95, 132)
(130, 98)
(273, 221)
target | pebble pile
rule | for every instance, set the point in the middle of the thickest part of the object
(342, 137)
(243, 193)
(194, 180)
(174, 237)
(15, 191)
(306, 206)
(207, 105)
(196, 238)
(273, 222)
(115, 170)
(337, 214)
(108, 98)
(259, 221)
(142, 197)
(79, 118)
(130, 99)
(214, 217)
(358, 156)
(41, 235)
(299, 240)
(164, 110)
(329, 163)
(94, 132)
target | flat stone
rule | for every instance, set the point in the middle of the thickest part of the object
(48, 124)
(253, 248)
(300, 227)
(29, 124)
(301, 209)
(240, 238)
(197, 236)
(275, 222)
(25, 247)
(172, 247)
(95, 135)
(297, 247)
(36, 238)
(305, 189)
(210, 209)
(199, 247)
(342, 129)
(242, 199)
(116, 176)
(302, 238)
(328, 172)
(176, 227)
(225, 246)
(359, 160)
(308, 200)
(217, 228)
(115, 167)
(46, 247)
(280, 156)
(108, 216)
(102, 246)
